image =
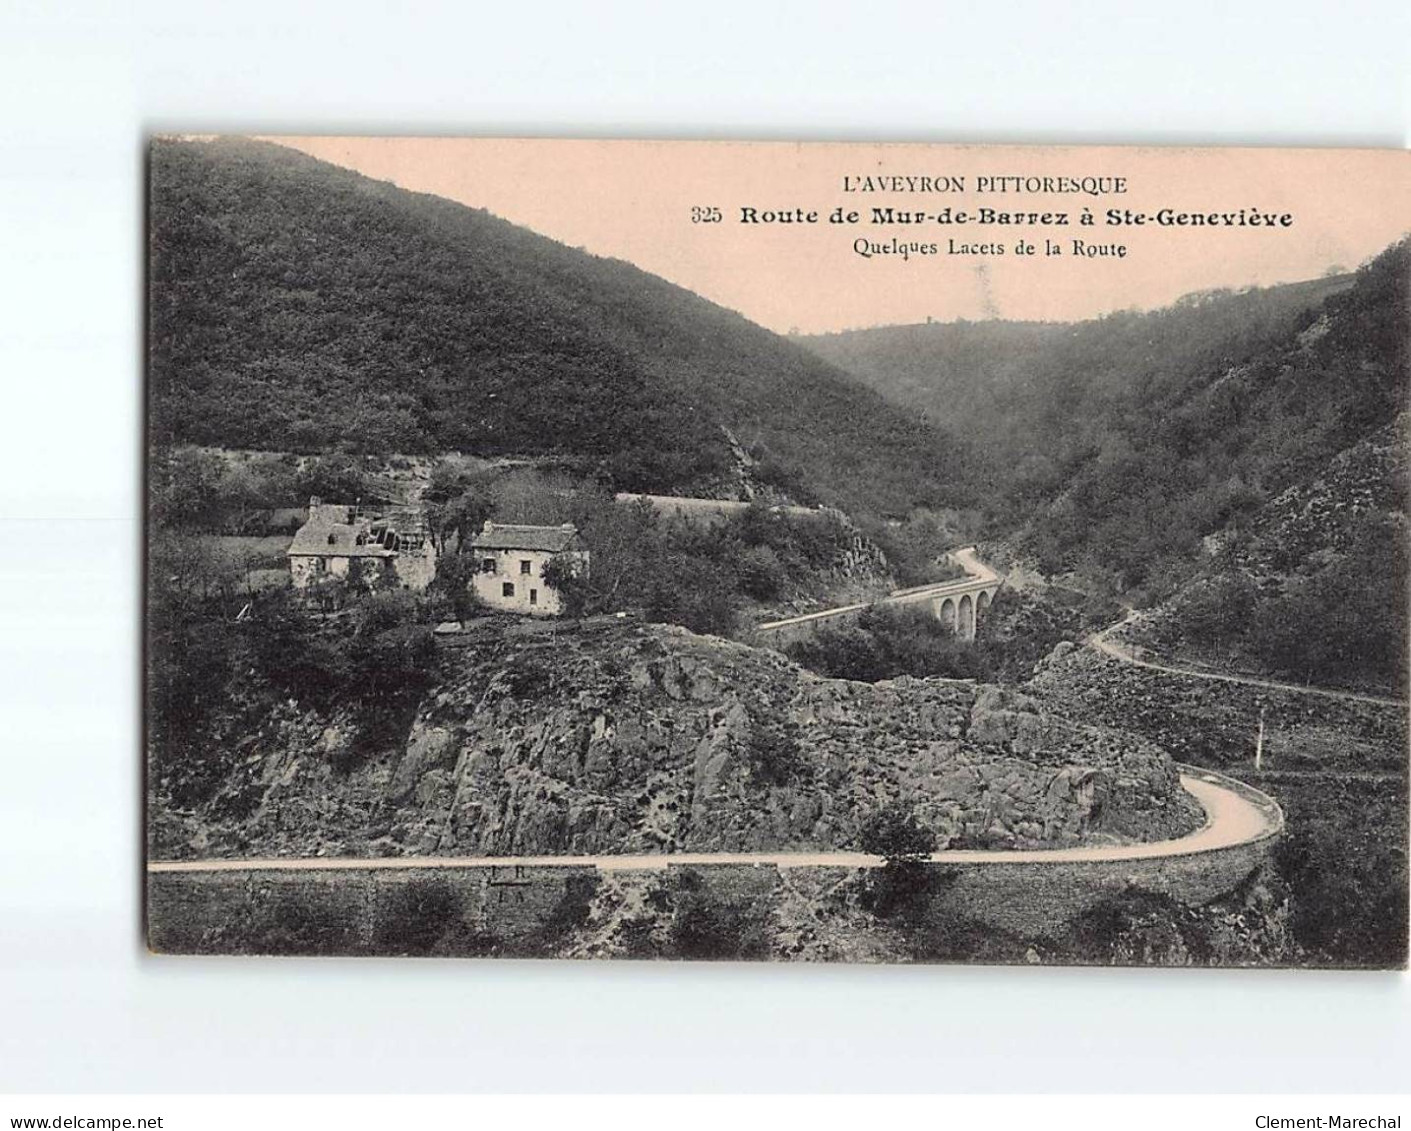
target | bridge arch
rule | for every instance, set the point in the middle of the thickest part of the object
(982, 606)
(965, 618)
(946, 612)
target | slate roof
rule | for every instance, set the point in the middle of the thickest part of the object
(504, 536)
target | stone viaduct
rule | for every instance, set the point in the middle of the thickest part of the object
(960, 604)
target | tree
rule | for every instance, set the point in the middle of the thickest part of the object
(566, 575)
(454, 573)
(1219, 611)
(692, 593)
(185, 490)
(462, 516)
(621, 539)
(895, 835)
(762, 575)
(457, 502)
(333, 478)
(902, 886)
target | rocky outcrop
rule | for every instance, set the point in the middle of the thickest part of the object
(632, 738)
(1248, 927)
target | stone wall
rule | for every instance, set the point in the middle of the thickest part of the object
(416, 569)
(345, 910)
(349, 910)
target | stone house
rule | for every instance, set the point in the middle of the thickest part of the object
(378, 548)
(510, 563)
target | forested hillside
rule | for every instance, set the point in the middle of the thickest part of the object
(1242, 450)
(1039, 397)
(298, 306)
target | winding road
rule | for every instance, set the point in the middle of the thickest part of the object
(1235, 814)
(1231, 818)
(1102, 644)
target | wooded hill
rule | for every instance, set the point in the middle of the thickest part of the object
(299, 306)
(1119, 442)
(1243, 450)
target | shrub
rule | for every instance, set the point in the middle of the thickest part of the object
(452, 586)
(389, 673)
(395, 608)
(564, 575)
(889, 642)
(762, 574)
(902, 887)
(334, 478)
(895, 835)
(689, 592)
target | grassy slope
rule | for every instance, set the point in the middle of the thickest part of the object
(296, 305)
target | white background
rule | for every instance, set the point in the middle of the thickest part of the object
(81, 1006)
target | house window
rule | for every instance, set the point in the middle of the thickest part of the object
(534, 596)
(487, 565)
(523, 566)
(507, 589)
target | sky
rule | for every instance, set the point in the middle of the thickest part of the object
(634, 200)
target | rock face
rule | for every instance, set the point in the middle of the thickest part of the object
(630, 739)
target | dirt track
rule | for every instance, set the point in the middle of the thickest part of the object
(1101, 643)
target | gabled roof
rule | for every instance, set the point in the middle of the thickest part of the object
(314, 538)
(551, 539)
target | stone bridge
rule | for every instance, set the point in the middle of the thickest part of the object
(960, 604)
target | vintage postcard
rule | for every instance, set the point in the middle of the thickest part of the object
(786, 552)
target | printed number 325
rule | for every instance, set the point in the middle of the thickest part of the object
(701, 215)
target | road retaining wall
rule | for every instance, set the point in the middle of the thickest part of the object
(524, 909)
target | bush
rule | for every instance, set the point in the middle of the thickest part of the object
(689, 592)
(453, 586)
(889, 642)
(565, 575)
(389, 673)
(903, 886)
(895, 835)
(334, 478)
(395, 608)
(762, 574)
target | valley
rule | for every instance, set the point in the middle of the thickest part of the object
(866, 627)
